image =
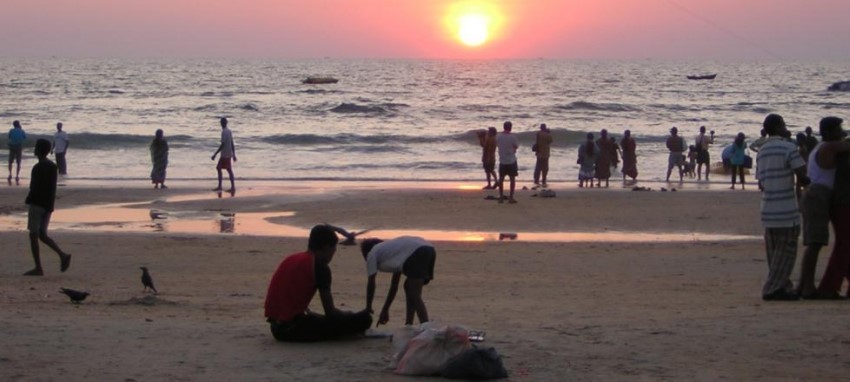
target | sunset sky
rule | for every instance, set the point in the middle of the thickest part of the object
(628, 29)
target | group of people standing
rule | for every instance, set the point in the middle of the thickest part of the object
(158, 153)
(17, 136)
(825, 174)
(597, 158)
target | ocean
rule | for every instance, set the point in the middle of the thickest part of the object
(392, 119)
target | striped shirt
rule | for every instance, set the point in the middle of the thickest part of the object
(777, 159)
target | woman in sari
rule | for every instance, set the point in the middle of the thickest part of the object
(629, 156)
(159, 157)
(603, 161)
(587, 154)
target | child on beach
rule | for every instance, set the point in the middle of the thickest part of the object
(692, 161)
(40, 201)
(408, 255)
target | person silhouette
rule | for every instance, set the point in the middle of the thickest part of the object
(228, 152)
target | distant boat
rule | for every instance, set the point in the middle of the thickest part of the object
(703, 77)
(320, 80)
(841, 86)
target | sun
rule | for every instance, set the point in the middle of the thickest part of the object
(473, 29)
(473, 23)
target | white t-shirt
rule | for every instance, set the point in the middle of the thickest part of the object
(390, 255)
(507, 144)
(60, 142)
(226, 143)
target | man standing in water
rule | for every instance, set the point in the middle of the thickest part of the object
(507, 144)
(228, 151)
(703, 158)
(17, 136)
(543, 148)
(60, 146)
(676, 145)
(487, 139)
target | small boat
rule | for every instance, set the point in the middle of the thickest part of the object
(703, 77)
(841, 86)
(320, 80)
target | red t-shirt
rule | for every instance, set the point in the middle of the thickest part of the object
(293, 285)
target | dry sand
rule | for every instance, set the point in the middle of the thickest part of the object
(592, 311)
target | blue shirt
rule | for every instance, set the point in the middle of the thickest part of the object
(17, 137)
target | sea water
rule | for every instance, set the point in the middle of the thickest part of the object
(392, 119)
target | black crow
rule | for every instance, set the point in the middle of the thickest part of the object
(147, 280)
(75, 295)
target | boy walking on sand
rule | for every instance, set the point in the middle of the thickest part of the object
(40, 200)
(228, 151)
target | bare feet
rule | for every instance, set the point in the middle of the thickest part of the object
(35, 272)
(65, 262)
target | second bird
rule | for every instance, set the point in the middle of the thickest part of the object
(147, 280)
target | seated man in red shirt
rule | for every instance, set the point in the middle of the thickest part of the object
(295, 283)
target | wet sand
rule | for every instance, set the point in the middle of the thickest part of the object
(647, 309)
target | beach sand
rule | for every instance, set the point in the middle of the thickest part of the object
(595, 310)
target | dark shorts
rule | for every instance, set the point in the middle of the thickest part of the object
(489, 166)
(508, 169)
(703, 157)
(816, 215)
(38, 219)
(224, 164)
(420, 265)
(15, 153)
(675, 159)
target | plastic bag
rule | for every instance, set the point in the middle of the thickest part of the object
(475, 364)
(428, 351)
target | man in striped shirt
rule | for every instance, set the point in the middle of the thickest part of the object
(777, 162)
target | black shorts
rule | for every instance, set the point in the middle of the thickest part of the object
(420, 265)
(489, 166)
(508, 169)
(15, 153)
(703, 157)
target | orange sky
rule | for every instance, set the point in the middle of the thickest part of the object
(705, 29)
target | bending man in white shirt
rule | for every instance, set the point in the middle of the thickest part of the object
(409, 255)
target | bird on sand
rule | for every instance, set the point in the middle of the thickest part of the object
(75, 295)
(350, 237)
(147, 280)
